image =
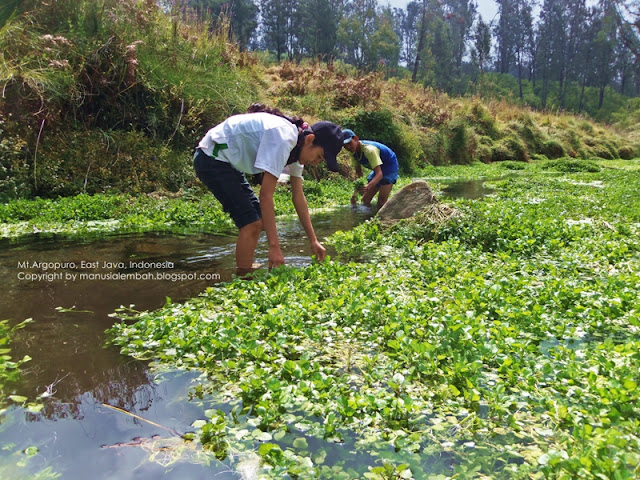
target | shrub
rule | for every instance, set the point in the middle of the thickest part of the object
(510, 148)
(353, 92)
(500, 153)
(513, 165)
(571, 166)
(601, 151)
(483, 153)
(530, 134)
(14, 168)
(613, 150)
(483, 121)
(574, 139)
(378, 125)
(99, 161)
(437, 148)
(586, 127)
(626, 152)
(462, 144)
(553, 149)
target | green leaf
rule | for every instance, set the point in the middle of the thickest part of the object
(300, 443)
(199, 423)
(261, 436)
(31, 451)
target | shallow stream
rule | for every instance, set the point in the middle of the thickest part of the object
(69, 289)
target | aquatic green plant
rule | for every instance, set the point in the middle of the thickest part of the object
(9, 368)
(191, 212)
(502, 343)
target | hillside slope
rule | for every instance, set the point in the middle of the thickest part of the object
(114, 99)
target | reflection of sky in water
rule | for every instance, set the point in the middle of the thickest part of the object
(69, 356)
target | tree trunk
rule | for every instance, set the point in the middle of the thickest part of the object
(416, 65)
(584, 83)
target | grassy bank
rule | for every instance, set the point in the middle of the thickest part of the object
(111, 96)
(194, 211)
(500, 344)
(197, 211)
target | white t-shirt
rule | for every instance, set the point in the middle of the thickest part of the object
(255, 142)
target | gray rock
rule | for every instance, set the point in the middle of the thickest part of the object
(409, 200)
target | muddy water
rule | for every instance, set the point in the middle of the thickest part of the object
(69, 289)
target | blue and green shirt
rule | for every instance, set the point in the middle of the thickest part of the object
(373, 154)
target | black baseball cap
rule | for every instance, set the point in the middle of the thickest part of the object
(329, 137)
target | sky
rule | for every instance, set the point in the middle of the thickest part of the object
(486, 8)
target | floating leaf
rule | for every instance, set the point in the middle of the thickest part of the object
(261, 436)
(300, 443)
(31, 451)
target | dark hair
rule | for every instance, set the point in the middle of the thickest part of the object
(261, 107)
(303, 127)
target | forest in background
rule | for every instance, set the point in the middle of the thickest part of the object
(577, 55)
(101, 96)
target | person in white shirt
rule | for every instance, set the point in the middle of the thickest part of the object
(263, 141)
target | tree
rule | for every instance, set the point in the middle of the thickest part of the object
(318, 28)
(422, 34)
(481, 49)
(355, 30)
(459, 16)
(276, 25)
(523, 38)
(629, 18)
(243, 16)
(604, 47)
(505, 31)
(442, 49)
(385, 46)
(409, 35)
(551, 42)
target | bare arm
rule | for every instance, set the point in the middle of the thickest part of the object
(373, 184)
(302, 209)
(267, 208)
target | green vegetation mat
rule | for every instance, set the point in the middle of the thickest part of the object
(502, 343)
(192, 211)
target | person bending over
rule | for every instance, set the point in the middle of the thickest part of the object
(377, 157)
(263, 141)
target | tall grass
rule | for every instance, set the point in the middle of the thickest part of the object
(110, 82)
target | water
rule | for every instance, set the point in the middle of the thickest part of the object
(75, 433)
(470, 189)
